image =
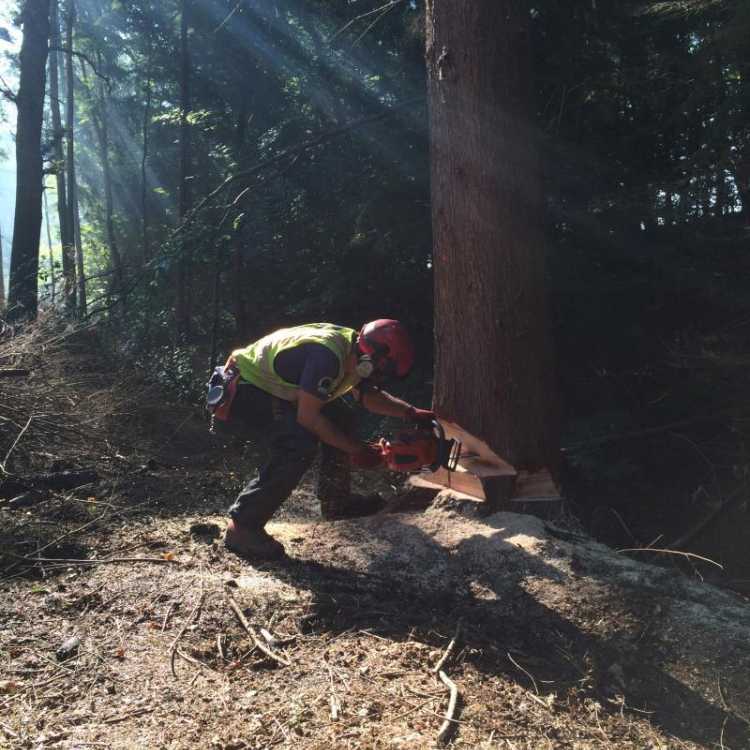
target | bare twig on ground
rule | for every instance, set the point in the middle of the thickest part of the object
(414, 708)
(129, 715)
(105, 561)
(518, 666)
(727, 707)
(257, 640)
(672, 552)
(193, 660)
(15, 443)
(166, 616)
(449, 650)
(31, 557)
(449, 722)
(8, 731)
(173, 647)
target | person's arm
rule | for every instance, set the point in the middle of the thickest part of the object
(381, 402)
(309, 416)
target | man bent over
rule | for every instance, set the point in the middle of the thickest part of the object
(291, 381)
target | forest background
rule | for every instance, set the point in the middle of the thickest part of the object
(240, 165)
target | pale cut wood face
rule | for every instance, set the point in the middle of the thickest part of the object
(479, 467)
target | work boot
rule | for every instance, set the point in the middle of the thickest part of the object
(252, 543)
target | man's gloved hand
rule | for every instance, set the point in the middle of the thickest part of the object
(422, 417)
(369, 456)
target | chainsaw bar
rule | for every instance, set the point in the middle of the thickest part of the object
(449, 451)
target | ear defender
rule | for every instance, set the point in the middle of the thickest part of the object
(365, 366)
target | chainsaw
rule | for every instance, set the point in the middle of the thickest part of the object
(421, 449)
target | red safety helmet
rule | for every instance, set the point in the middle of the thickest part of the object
(386, 349)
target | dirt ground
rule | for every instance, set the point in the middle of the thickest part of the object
(117, 628)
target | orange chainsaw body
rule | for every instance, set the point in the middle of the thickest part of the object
(424, 448)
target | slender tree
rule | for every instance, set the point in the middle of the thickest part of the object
(58, 134)
(184, 281)
(2, 274)
(101, 125)
(49, 248)
(493, 364)
(27, 224)
(73, 220)
(148, 92)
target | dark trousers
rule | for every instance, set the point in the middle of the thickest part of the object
(292, 450)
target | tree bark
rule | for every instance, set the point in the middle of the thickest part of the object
(186, 199)
(49, 247)
(145, 249)
(27, 224)
(493, 366)
(72, 219)
(101, 125)
(66, 236)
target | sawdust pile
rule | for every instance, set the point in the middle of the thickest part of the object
(116, 625)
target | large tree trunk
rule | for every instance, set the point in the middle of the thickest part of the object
(66, 235)
(493, 371)
(27, 224)
(184, 279)
(73, 220)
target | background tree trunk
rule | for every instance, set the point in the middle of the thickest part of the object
(2, 276)
(145, 249)
(493, 368)
(27, 224)
(101, 126)
(49, 247)
(73, 218)
(66, 237)
(186, 198)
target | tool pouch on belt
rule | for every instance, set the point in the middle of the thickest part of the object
(221, 390)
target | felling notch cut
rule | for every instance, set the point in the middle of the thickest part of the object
(481, 474)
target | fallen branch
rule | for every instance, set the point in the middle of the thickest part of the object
(105, 561)
(173, 648)
(449, 722)
(672, 552)
(8, 731)
(193, 660)
(32, 557)
(448, 651)
(64, 480)
(257, 641)
(518, 666)
(129, 715)
(15, 443)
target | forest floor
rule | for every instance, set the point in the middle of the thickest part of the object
(117, 628)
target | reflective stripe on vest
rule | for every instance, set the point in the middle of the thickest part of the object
(256, 360)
